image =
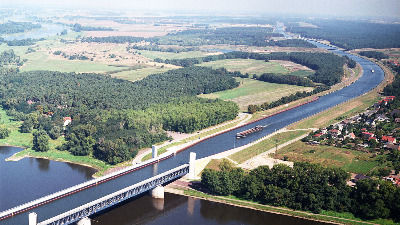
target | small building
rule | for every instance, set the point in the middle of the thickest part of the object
(334, 132)
(67, 121)
(367, 135)
(318, 135)
(388, 139)
(381, 118)
(351, 136)
(397, 120)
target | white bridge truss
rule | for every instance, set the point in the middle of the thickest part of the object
(116, 197)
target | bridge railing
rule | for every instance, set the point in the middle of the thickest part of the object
(79, 187)
(116, 197)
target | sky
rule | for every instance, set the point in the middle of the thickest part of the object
(340, 8)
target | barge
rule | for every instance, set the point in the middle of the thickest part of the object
(249, 131)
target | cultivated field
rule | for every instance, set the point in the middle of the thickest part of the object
(255, 92)
(349, 160)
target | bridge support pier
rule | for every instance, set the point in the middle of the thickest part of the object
(154, 151)
(192, 165)
(32, 218)
(157, 192)
(84, 221)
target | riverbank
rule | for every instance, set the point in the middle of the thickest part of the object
(193, 189)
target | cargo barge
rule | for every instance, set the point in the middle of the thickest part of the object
(249, 131)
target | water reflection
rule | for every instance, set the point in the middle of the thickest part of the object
(88, 171)
(176, 209)
(43, 164)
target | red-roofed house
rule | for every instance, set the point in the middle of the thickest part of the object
(318, 135)
(388, 139)
(67, 120)
(367, 135)
(334, 132)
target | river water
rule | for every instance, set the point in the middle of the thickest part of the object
(47, 30)
(29, 179)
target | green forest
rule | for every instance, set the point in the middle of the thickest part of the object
(308, 187)
(328, 67)
(11, 27)
(113, 118)
(352, 34)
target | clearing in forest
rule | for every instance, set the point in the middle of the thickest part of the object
(255, 92)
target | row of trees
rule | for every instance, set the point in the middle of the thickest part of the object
(374, 54)
(308, 187)
(12, 27)
(286, 79)
(78, 28)
(154, 47)
(285, 99)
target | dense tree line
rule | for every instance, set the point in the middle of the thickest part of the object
(285, 99)
(78, 28)
(328, 66)
(291, 43)
(17, 27)
(393, 89)
(374, 54)
(352, 34)
(154, 47)
(307, 187)
(113, 39)
(286, 79)
(113, 118)
(23, 42)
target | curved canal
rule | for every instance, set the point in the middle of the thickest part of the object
(208, 147)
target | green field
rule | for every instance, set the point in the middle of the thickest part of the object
(255, 92)
(250, 66)
(40, 61)
(265, 145)
(347, 159)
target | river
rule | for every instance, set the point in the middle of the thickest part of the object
(208, 147)
(47, 30)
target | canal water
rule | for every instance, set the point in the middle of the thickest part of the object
(177, 209)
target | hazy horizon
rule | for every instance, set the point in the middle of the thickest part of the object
(338, 8)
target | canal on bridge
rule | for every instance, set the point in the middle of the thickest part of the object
(213, 145)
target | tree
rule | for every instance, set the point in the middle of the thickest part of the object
(40, 141)
(4, 132)
(26, 126)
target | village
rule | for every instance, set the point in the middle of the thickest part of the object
(375, 131)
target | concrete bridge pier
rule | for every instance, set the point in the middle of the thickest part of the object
(192, 165)
(154, 151)
(157, 192)
(84, 221)
(32, 218)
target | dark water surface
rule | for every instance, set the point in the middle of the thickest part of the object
(176, 209)
(29, 178)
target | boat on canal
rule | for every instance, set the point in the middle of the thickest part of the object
(243, 134)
